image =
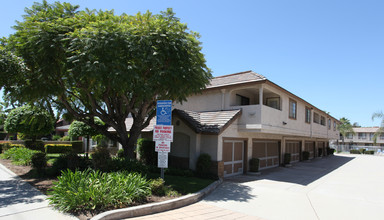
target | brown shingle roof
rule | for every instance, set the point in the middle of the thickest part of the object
(236, 78)
(212, 122)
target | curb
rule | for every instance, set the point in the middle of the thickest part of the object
(158, 206)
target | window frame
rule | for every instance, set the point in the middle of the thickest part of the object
(290, 115)
(314, 118)
(308, 115)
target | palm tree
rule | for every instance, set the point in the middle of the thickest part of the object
(381, 129)
(345, 127)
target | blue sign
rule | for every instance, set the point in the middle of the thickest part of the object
(164, 112)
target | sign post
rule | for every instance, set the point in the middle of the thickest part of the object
(163, 133)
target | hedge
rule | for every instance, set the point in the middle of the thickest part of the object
(57, 148)
(77, 147)
(7, 145)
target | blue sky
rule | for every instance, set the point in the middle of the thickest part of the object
(330, 53)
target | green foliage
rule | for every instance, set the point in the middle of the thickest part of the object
(305, 155)
(65, 138)
(29, 120)
(354, 151)
(56, 137)
(157, 187)
(93, 190)
(101, 159)
(124, 164)
(345, 127)
(101, 140)
(35, 145)
(19, 155)
(330, 151)
(146, 150)
(39, 160)
(80, 129)
(57, 148)
(7, 145)
(120, 153)
(362, 150)
(254, 164)
(96, 63)
(70, 161)
(287, 158)
(369, 152)
(178, 172)
(203, 165)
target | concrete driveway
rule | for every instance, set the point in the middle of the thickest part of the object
(336, 187)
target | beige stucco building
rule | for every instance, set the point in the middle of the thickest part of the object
(364, 136)
(243, 116)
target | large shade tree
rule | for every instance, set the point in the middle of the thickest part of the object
(98, 64)
(345, 127)
(29, 120)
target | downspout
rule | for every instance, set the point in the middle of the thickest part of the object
(222, 99)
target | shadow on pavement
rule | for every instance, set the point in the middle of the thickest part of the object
(16, 191)
(302, 173)
(231, 191)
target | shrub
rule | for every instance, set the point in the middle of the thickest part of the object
(56, 137)
(121, 164)
(65, 138)
(101, 159)
(362, 150)
(19, 155)
(330, 151)
(7, 145)
(69, 161)
(369, 152)
(203, 164)
(120, 153)
(39, 160)
(178, 172)
(34, 145)
(57, 148)
(354, 152)
(287, 158)
(77, 147)
(254, 164)
(157, 187)
(93, 190)
(146, 149)
(305, 155)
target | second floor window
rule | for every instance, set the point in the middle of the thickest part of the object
(362, 135)
(381, 136)
(334, 125)
(307, 115)
(292, 109)
(349, 136)
(329, 124)
(316, 118)
(322, 120)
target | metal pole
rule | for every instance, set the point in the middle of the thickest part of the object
(162, 173)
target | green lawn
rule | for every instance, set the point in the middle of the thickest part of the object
(184, 185)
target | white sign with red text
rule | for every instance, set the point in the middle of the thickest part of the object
(163, 146)
(163, 133)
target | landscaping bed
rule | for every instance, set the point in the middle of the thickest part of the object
(178, 185)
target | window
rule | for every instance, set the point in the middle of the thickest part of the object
(329, 124)
(371, 136)
(322, 120)
(307, 115)
(242, 100)
(274, 102)
(362, 135)
(292, 109)
(334, 125)
(349, 136)
(381, 136)
(316, 118)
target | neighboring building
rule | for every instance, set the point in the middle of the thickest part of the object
(364, 136)
(242, 116)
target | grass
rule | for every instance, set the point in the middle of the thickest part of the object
(184, 185)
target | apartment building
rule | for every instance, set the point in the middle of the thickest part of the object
(364, 136)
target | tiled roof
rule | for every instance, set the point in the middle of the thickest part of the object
(236, 78)
(201, 122)
(63, 128)
(208, 122)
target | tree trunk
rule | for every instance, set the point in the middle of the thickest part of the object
(87, 149)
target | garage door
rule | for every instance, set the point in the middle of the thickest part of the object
(310, 147)
(320, 145)
(267, 152)
(293, 147)
(233, 154)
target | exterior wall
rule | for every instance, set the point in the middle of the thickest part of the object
(207, 101)
(368, 140)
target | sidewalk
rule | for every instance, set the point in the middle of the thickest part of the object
(19, 200)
